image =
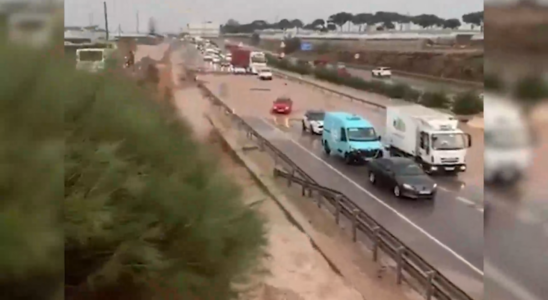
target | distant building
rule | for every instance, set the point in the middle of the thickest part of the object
(88, 34)
(208, 29)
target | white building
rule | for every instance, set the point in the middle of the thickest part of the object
(208, 29)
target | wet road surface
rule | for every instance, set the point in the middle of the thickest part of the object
(517, 220)
(447, 232)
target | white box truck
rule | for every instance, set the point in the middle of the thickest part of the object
(431, 137)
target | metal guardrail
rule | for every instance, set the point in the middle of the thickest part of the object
(408, 262)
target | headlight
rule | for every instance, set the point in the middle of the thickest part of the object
(408, 186)
(435, 185)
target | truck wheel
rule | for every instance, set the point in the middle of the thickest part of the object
(326, 148)
(304, 127)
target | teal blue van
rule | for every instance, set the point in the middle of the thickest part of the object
(350, 137)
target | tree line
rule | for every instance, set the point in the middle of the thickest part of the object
(380, 20)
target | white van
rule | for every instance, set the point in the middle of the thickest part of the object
(508, 141)
(91, 59)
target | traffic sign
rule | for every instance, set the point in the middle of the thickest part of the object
(306, 46)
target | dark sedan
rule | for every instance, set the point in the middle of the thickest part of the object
(403, 176)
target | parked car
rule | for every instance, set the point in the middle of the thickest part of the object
(265, 74)
(403, 176)
(313, 121)
(381, 72)
(282, 105)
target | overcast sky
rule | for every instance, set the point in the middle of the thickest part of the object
(171, 15)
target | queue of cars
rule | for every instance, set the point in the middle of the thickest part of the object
(418, 142)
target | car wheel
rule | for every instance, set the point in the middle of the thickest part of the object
(397, 191)
(304, 127)
(326, 148)
(347, 159)
(372, 178)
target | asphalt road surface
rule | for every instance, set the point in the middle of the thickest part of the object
(449, 232)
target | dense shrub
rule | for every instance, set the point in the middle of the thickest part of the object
(467, 103)
(292, 45)
(145, 205)
(492, 82)
(531, 90)
(437, 99)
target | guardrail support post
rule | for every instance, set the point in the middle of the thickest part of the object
(430, 288)
(290, 177)
(319, 199)
(376, 240)
(338, 206)
(261, 145)
(355, 213)
(399, 264)
(304, 189)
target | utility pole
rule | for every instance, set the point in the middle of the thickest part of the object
(137, 23)
(106, 17)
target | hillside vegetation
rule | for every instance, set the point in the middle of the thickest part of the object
(96, 172)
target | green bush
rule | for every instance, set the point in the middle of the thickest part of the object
(144, 204)
(531, 90)
(467, 103)
(492, 82)
(292, 45)
(437, 99)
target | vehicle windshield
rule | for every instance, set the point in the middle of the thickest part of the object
(258, 59)
(90, 56)
(507, 138)
(317, 116)
(361, 134)
(448, 141)
(410, 169)
(265, 70)
(283, 101)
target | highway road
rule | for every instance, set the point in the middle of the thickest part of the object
(415, 82)
(449, 233)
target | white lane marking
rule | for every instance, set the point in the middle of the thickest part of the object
(465, 201)
(510, 286)
(445, 247)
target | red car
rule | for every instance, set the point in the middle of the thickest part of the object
(282, 105)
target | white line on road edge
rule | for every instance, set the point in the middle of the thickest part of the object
(445, 247)
(509, 285)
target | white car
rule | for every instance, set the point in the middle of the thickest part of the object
(239, 70)
(265, 74)
(208, 57)
(381, 72)
(216, 60)
(313, 121)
